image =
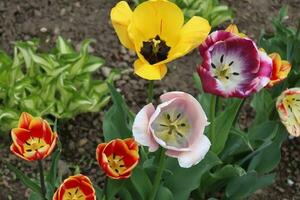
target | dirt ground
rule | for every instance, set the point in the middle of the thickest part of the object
(80, 19)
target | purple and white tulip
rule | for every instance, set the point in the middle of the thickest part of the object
(177, 124)
(233, 66)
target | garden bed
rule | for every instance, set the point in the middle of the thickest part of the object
(78, 20)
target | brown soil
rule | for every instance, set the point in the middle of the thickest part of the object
(77, 20)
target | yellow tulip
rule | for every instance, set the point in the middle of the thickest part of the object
(155, 30)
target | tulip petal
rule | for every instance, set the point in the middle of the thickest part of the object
(192, 34)
(24, 120)
(149, 72)
(141, 130)
(198, 151)
(121, 17)
(153, 18)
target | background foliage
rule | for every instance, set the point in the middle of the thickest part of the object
(57, 83)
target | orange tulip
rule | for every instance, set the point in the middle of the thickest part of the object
(118, 157)
(33, 139)
(77, 187)
(281, 69)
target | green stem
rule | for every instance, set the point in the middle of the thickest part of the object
(150, 91)
(212, 116)
(157, 179)
(42, 180)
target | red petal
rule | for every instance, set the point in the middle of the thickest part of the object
(41, 129)
(131, 143)
(25, 120)
(15, 151)
(19, 137)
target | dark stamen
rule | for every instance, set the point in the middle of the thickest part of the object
(231, 63)
(168, 117)
(155, 53)
(69, 193)
(235, 73)
(76, 191)
(179, 134)
(27, 143)
(297, 99)
(122, 165)
(213, 65)
(163, 125)
(215, 76)
(183, 124)
(116, 170)
(114, 156)
(28, 150)
(226, 77)
(222, 59)
(178, 116)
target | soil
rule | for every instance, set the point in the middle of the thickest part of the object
(79, 19)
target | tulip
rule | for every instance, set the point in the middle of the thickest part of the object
(288, 107)
(177, 124)
(33, 139)
(232, 66)
(155, 30)
(281, 69)
(78, 187)
(118, 157)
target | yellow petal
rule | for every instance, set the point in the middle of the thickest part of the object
(192, 34)
(149, 72)
(121, 17)
(153, 18)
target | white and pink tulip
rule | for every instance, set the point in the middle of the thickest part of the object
(177, 124)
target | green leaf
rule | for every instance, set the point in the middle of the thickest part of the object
(52, 174)
(184, 181)
(141, 182)
(63, 46)
(267, 159)
(35, 196)
(118, 119)
(263, 104)
(164, 193)
(215, 181)
(99, 192)
(24, 179)
(242, 186)
(113, 187)
(223, 124)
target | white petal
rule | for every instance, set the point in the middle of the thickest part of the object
(197, 153)
(140, 128)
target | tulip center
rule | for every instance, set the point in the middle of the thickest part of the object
(155, 50)
(73, 194)
(116, 163)
(223, 70)
(34, 144)
(173, 128)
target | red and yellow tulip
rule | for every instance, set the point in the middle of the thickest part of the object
(78, 187)
(281, 69)
(118, 157)
(33, 139)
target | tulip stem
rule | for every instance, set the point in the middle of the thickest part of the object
(212, 130)
(41, 170)
(157, 179)
(150, 91)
